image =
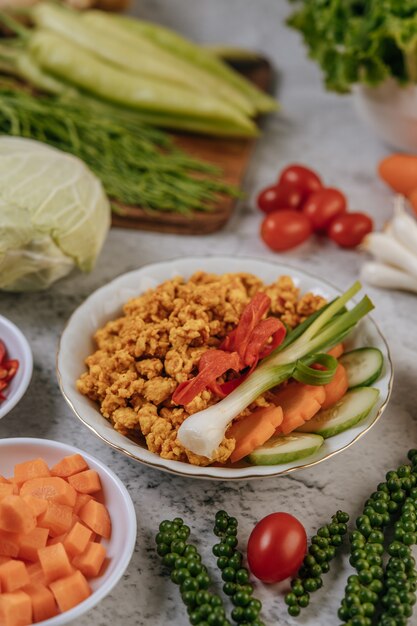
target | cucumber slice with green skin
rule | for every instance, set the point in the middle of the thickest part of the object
(363, 366)
(349, 411)
(285, 448)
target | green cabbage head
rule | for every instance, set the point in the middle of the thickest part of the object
(54, 215)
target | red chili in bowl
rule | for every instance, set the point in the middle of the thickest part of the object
(8, 369)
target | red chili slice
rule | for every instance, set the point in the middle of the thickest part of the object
(12, 365)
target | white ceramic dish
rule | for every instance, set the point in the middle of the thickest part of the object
(121, 544)
(17, 348)
(106, 303)
(390, 111)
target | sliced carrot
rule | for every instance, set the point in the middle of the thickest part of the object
(86, 482)
(95, 516)
(69, 465)
(57, 518)
(55, 562)
(7, 489)
(16, 515)
(36, 574)
(253, 430)
(13, 575)
(37, 505)
(43, 602)
(91, 560)
(77, 539)
(70, 591)
(15, 609)
(9, 544)
(37, 468)
(53, 489)
(31, 543)
(82, 498)
(336, 389)
(337, 350)
(299, 404)
(58, 539)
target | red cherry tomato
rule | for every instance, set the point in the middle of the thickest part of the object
(279, 197)
(322, 206)
(283, 230)
(276, 547)
(304, 178)
(348, 230)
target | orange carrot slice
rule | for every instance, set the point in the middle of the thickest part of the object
(253, 430)
(15, 609)
(55, 562)
(336, 389)
(7, 489)
(82, 498)
(85, 482)
(70, 591)
(36, 468)
(13, 575)
(53, 489)
(57, 518)
(91, 560)
(9, 544)
(95, 516)
(37, 505)
(69, 465)
(31, 543)
(16, 515)
(77, 539)
(43, 602)
(36, 574)
(337, 350)
(299, 404)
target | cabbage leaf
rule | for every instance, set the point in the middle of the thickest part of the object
(54, 215)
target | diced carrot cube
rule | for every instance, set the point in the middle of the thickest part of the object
(9, 545)
(86, 482)
(15, 609)
(36, 574)
(55, 562)
(95, 516)
(59, 539)
(43, 602)
(77, 539)
(69, 465)
(70, 591)
(37, 505)
(4, 480)
(57, 518)
(53, 489)
(31, 543)
(37, 468)
(16, 515)
(82, 498)
(13, 575)
(91, 560)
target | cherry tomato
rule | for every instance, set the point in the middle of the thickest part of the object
(280, 197)
(348, 230)
(307, 180)
(322, 206)
(276, 547)
(285, 229)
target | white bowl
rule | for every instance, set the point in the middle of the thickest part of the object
(391, 112)
(106, 303)
(17, 348)
(121, 544)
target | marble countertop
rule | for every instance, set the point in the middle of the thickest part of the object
(316, 128)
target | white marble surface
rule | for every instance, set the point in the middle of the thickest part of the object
(315, 128)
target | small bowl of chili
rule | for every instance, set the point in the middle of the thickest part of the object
(16, 365)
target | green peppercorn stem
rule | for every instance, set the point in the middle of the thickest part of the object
(187, 571)
(236, 578)
(321, 551)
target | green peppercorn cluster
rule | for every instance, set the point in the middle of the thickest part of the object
(321, 551)
(187, 571)
(235, 577)
(365, 589)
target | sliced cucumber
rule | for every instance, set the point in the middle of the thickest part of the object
(350, 410)
(285, 448)
(363, 366)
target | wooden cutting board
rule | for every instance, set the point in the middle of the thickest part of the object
(231, 155)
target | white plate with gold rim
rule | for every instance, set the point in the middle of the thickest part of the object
(106, 303)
